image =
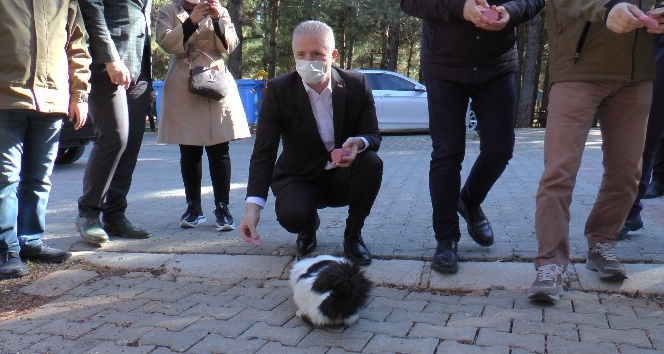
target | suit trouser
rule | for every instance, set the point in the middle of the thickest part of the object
(356, 186)
(493, 102)
(654, 135)
(118, 117)
(623, 110)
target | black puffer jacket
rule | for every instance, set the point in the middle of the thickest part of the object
(454, 49)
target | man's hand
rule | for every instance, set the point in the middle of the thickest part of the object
(352, 145)
(623, 18)
(118, 73)
(499, 24)
(78, 113)
(472, 14)
(658, 15)
(252, 216)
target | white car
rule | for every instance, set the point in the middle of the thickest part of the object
(401, 102)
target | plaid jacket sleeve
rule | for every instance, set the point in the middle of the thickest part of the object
(118, 30)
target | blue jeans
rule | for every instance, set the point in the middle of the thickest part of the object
(28, 147)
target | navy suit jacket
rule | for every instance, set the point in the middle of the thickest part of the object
(286, 116)
(118, 30)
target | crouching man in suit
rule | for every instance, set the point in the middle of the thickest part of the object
(314, 110)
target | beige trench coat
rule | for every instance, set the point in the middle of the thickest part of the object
(186, 118)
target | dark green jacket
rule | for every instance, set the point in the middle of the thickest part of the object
(582, 48)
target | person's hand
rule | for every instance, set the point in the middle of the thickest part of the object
(623, 18)
(472, 14)
(658, 15)
(78, 114)
(118, 73)
(352, 145)
(216, 10)
(499, 24)
(252, 216)
(201, 10)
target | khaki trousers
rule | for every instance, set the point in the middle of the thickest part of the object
(623, 110)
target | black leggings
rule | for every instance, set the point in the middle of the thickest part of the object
(220, 171)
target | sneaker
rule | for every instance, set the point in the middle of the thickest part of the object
(11, 266)
(193, 216)
(548, 285)
(631, 224)
(91, 231)
(224, 218)
(43, 254)
(602, 259)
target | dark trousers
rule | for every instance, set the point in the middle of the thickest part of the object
(219, 161)
(357, 186)
(493, 102)
(658, 163)
(118, 116)
(654, 133)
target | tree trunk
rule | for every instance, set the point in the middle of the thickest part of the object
(235, 9)
(411, 49)
(393, 51)
(273, 32)
(530, 74)
(385, 36)
(341, 37)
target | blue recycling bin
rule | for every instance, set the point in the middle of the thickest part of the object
(158, 87)
(251, 94)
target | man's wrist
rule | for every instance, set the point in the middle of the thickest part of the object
(260, 202)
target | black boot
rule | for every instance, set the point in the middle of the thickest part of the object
(306, 239)
(356, 250)
(479, 228)
(446, 258)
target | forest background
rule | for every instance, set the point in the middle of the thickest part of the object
(368, 34)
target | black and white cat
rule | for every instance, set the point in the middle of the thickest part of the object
(328, 290)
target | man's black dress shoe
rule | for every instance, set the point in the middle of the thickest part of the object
(479, 228)
(43, 254)
(356, 250)
(446, 257)
(655, 189)
(306, 239)
(124, 228)
(11, 266)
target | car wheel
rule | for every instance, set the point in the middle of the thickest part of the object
(69, 155)
(471, 121)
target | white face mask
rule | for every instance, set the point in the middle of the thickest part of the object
(312, 72)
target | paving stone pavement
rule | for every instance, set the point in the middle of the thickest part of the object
(201, 291)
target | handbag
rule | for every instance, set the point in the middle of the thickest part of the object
(208, 82)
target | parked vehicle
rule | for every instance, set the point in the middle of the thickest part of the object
(401, 102)
(73, 142)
